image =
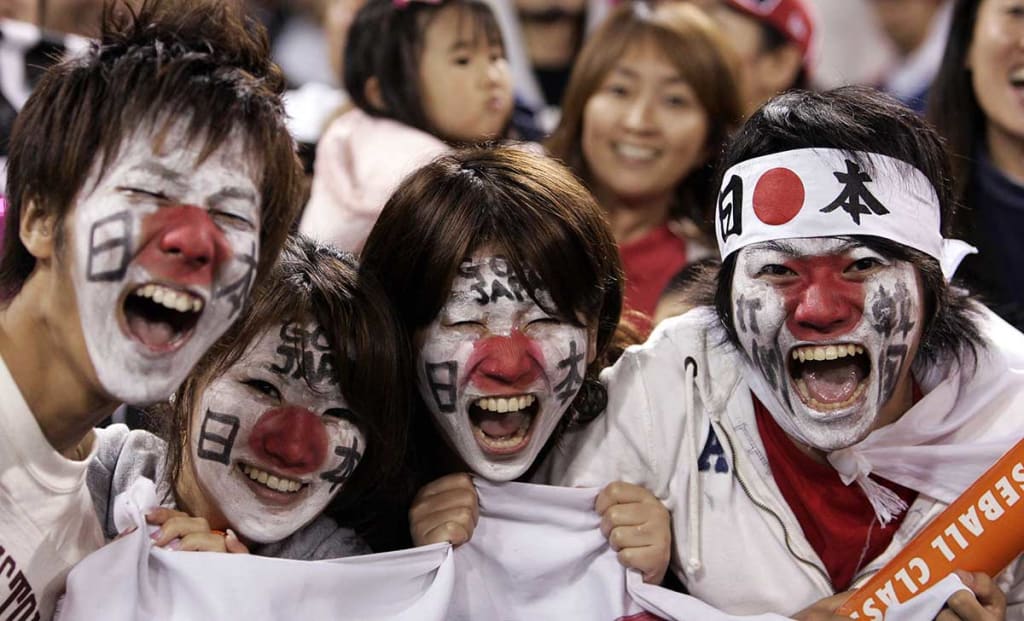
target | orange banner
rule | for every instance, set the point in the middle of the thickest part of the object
(983, 530)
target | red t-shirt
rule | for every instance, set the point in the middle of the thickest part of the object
(649, 263)
(837, 519)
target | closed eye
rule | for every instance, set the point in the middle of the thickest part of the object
(469, 323)
(340, 413)
(263, 387)
(147, 193)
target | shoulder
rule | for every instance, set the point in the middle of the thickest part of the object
(367, 132)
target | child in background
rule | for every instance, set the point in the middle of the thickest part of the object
(423, 76)
(282, 429)
(650, 102)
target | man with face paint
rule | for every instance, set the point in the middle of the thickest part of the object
(833, 392)
(150, 184)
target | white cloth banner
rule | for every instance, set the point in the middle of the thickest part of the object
(537, 553)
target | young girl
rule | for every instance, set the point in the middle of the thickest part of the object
(651, 100)
(422, 75)
(505, 275)
(287, 423)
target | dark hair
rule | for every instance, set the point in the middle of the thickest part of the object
(698, 52)
(386, 41)
(199, 60)
(952, 105)
(861, 119)
(313, 281)
(549, 227)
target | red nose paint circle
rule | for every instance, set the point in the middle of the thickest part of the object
(778, 196)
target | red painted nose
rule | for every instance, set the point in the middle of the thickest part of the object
(821, 310)
(291, 438)
(502, 362)
(183, 245)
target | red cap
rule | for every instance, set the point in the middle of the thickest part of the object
(790, 17)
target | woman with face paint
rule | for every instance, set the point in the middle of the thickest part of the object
(651, 100)
(505, 275)
(834, 392)
(285, 424)
(977, 104)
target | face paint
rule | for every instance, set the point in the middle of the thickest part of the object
(496, 370)
(164, 252)
(273, 440)
(829, 327)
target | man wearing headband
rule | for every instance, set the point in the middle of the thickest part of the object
(835, 392)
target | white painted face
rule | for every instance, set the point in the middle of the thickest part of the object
(498, 371)
(164, 252)
(831, 328)
(273, 441)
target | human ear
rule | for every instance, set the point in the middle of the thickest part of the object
(37, 230)
(371, 90)
(591, 344)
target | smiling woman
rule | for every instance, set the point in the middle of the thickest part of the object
(289, 415)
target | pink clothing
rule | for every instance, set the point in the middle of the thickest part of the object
(360, 161)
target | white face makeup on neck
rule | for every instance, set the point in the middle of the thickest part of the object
(831, 328)
(496, 370)
(273, 441)
(164, 252)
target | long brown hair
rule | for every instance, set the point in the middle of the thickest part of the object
(549, 227)
(312, 281)
(695, 47)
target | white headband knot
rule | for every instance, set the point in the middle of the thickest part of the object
(832, 193)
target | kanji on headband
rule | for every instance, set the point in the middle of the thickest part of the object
(831, 193)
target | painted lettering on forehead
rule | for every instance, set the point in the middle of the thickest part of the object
(350, 456)
(574, 365)
(304, 354)
(217, 437)
(110, 247)
(490, 280)
(237, 291)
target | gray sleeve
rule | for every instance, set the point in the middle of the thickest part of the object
(319, 540)
(123, 456)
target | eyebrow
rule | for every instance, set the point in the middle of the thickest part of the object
(635, 75)
(159, 170)
(789, 249)
(231, 193)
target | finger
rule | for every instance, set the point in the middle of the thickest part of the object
(986, 591)
(459, 480)
(965, 606)
(233, 544)
(632, 514)
(179, 526)
(648, 560)
(621, 492)
(639, 536)
(445, 501)
(202, 542)
(947, 615)
(452, 532)
(159, 515)
(463, 517)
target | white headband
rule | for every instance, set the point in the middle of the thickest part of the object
(826, 193)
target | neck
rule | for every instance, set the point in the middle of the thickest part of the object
(551, 45)
(631, 220)
(64, 402)
(1006, 151)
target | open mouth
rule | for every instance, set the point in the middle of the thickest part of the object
(829, 377)
(502, 424)
(269, 481)
(636, 153)
(161, 317)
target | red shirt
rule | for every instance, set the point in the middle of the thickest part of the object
(650, 262)
(836, 519)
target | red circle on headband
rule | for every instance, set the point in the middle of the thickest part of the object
(778, 196)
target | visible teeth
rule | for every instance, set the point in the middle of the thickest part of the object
(505, 404)
(274, 482)
(805, 395)
(826, 352)
(180, 301)
(513, 439)
(635, 152)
